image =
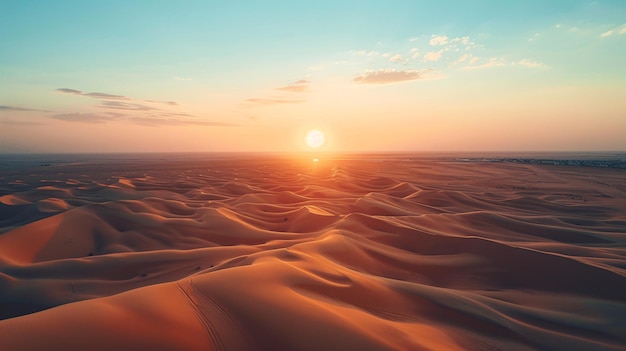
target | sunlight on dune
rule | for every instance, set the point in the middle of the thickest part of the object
(368, 253)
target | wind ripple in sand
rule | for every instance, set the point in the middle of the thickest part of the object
(278, 254)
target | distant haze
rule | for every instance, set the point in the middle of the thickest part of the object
(203, 76)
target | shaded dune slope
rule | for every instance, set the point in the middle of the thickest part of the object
(282, 254)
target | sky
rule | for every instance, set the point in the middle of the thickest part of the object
(214, 76)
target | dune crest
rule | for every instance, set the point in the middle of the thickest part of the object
(282, 254)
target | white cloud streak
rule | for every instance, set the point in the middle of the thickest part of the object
(619, 30)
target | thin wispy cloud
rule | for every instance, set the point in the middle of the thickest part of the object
(69, 91)
(619, 30)
(276, 101)
(152, 120)
(106, 96)
(144, 112)
(171, 103)
(157, 122)
(6, 108)
(103, 96)
(174, 114)
(475, 63)
(300, 86)
(389, 76)
(396, 58)
(117, 105)
(531, 64)
(534, 37)
(86, 117)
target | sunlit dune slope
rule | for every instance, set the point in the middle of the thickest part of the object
(286, 254)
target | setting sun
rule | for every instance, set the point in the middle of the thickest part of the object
(315, 138)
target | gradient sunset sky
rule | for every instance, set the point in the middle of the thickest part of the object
(153, 76)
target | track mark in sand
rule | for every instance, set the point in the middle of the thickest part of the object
(483, 345)
(214, 338)
(236, 338)
(224, 332)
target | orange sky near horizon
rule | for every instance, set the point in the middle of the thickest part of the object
(543, 77)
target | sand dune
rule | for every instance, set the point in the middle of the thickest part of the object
(273, 253)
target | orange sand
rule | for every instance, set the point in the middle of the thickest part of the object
(287, 254)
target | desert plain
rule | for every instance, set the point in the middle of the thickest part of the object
(281, 252)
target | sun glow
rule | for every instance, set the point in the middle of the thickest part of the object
(315, 139)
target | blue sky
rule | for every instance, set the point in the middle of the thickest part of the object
(251, 75)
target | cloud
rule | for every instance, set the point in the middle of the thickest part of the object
(465, 58)
(143, 112)
(462, 40)
(607, 33)
(105, 96)
(531, 64)
(157, 122)
(117, 105)
(164, 119)
(171, 103)
(173, 114)
(396, 58)
(86, 117)
(70, 91)
(433, 56)
(492, 62)
(438, 40)
(102, 96)
(18, 109)
(300, 86)
(534, 37)
(388, 76)
(277, 101)
(619, 30)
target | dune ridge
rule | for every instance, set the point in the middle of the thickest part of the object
(282, 253)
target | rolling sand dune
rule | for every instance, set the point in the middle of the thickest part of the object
(286, 254)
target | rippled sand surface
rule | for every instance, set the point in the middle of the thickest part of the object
(278, 253)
